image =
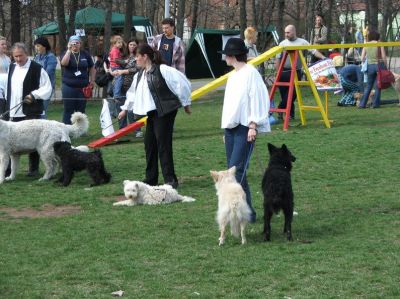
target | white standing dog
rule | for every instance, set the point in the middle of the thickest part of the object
(232, 206)
(139, 193)
(39, 135)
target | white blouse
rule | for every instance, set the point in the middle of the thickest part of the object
(17, 80)
(140, 100)
(246, 100)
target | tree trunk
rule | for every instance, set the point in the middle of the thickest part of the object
(150, 12)
(62, 27)
(107, 27)
(15, 22)
(180, 20)
(243, 18)
(328, 19)
(280, 25)
(373, 14)
(128, 19)
(2, 19)
(195, 10)
(72, 12)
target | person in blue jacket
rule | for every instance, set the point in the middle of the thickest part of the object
(351, 79)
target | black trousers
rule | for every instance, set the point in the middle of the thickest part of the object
(34, 158)
(284, 90)
(158, 145)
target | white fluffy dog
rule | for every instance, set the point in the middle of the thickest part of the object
(39, 135)
(232, 205)
(139, 193)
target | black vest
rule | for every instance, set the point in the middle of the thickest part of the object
(31, 83)
(166, 101)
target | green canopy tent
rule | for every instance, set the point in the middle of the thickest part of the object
(91, 18)
(202, 59)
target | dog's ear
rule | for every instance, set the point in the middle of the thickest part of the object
(232, 170)
(214, 175)
(126, 182)
(271, 148)
(284, 147)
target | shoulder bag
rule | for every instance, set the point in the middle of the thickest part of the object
(384, 77)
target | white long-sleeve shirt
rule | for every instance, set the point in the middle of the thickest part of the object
(17, 80)
(140, 100)
(246, 100)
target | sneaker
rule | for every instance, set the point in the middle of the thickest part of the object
(139, 134)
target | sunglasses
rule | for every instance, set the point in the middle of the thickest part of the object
(74, 44)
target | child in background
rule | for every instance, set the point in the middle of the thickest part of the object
(115, 58)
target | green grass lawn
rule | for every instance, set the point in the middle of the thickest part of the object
(346, 235)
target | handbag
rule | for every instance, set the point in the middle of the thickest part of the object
(103, 78)
(88, 91)
(384, 77)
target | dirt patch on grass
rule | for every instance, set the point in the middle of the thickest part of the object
(46, 211)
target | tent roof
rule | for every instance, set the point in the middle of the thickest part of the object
(91, 17)
(202, 57)
(269, 28)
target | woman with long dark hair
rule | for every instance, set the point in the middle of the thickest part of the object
(128, 70)
(375, 56)
(157, 91)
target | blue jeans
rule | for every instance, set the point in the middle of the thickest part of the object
(372, 83)
(237, 151)
(117, 84)
(73, 100)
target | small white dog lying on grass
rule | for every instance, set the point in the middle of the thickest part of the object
(232, 206)
(139, 193)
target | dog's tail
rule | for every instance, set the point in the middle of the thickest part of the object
(240, 212)
(80, 125)
(188, 199)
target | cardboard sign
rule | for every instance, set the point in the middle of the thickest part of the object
(324, 75)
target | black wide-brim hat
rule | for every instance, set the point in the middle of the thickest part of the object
(234, 46)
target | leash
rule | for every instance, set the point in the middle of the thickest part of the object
(247, 161)
(113, 123)
(8, 111)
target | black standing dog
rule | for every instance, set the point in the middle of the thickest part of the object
(277, 189)
(75, 160)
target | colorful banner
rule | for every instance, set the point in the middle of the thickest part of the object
(324, 75)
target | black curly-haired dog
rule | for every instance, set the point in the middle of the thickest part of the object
(277, 189)
(75, 160)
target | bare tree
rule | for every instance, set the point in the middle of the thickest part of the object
(243, 17)
(15, 21)
(372, 8)
(150, 12)
(62, 27)
(2, 18)
(180, 18)
(128, 19)
(195, 11)
(281, 10)
(107, 26)
(72, 12)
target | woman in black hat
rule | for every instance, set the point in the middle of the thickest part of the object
(48, 61)
(245, 111)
